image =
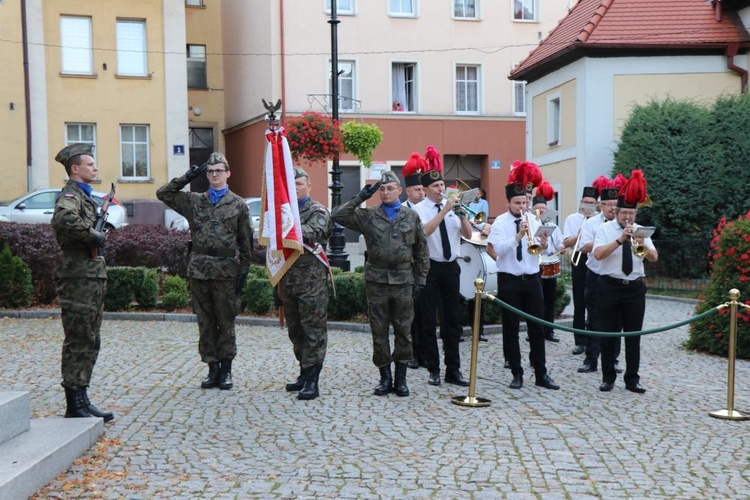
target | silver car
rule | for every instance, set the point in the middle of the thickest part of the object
(173, 220)
(37, 208)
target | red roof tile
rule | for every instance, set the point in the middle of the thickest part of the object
(626, 25)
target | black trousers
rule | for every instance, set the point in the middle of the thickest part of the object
(442, 291)
(621, 307)
(578, 275)
(593, 342)
(524, 293)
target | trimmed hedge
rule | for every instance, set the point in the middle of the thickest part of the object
(127, 286)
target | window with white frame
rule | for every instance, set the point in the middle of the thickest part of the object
(194, 3)
(196, 67)
(404, 87)
(345, 7)
(519, 98)
(76, 47)
(347, 85)
(405, 8)
(525, 10)
(84, 133)
(467, 88)
(134, 152)
(131, 48)
(553, 120)
(465, 9)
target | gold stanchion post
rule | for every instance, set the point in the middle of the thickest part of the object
(730, 413)
(471, 399)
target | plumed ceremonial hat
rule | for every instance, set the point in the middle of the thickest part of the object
(605, 188)
(389, 176)
(434, 170)
(72, 150)
(544, 193)
(524, 177)
(633, 192)
(590, 192)
(413, 169)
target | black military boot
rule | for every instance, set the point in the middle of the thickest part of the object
(310, 389)
(386, 381)
(225, 374)
(297, 384)
(76, 404)
(212, 379)
(106, 415)
(399, 385)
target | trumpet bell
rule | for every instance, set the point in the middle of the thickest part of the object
(480, 218)
(640, 250)
(535, 249)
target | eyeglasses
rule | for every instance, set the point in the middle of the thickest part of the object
(213, 171)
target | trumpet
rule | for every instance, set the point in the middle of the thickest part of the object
(476, 218)
(639, 249)
(533, 248)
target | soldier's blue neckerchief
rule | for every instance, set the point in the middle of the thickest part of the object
(86, 188)
(392, 209)
(215, 195)
(302, 202)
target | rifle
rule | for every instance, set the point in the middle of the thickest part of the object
(101, 217)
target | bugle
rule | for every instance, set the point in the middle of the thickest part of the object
(533, 248)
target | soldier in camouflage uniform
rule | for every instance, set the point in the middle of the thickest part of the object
(304, 292)
(395, 273)
(220, 227)
(81, 279)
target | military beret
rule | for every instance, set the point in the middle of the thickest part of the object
(72, 150)
(389, 176)
(298, 172)
(217, 158)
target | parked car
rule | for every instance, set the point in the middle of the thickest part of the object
(37, 208)
(173, 220)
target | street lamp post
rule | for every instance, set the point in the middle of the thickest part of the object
(337, 243)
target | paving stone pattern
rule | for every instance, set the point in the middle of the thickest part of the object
(258, 441)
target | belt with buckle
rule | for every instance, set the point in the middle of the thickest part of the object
(618, 281)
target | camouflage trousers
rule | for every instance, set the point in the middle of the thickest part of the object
(306, 313)
(390, 305)
(216, 305)
(81, 305)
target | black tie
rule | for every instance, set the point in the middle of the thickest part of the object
(627, 258)
(519, 251)
(444, 236)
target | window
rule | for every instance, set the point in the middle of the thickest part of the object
(131, 48)
(134, 152)
(345, 7)
(404, 87)
(465, 9)
(402, 8)
(196, 67)
(194, 3)
(75, 42)
(525, 10)
(81, 132)
(467, 89)
(347, 86)
(553, 120)
(519, 98)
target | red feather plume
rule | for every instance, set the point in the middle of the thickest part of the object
(546, 190)
(433, 159)
(634, 190)
(415, 165)
(601, 183)
(525, 173)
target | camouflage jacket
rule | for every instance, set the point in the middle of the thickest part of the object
(316, 228)
(73, 222)
(396, 251)
(217, 231)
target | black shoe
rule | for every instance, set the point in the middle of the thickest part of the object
(386, 381)
(617, 367)
(461, 338)
(413, 363)
(76, 406)
(550, 336)
(212, 379)
(547, 383)
(297, 384)
(587, 367)
(310, 389)
(606, 386)
(637, 388)
(507, 365)
(456, 378)
(482, 338)
(517, 382)
(579, 349)
(399, 383)
(106, 415)
(434, 378)
(225, 374)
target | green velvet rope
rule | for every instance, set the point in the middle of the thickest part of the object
(558, 326)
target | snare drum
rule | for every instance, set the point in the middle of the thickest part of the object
(475, 263)
(550, 269)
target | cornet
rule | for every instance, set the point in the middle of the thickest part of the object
(639, 249)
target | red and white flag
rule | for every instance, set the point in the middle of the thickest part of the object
(280, 230)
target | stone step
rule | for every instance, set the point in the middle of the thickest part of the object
(15, 413)
(31, 460)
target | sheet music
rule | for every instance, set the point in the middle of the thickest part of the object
(645, 231)
(548, 230)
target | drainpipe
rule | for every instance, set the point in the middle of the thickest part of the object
(283, 62)
(26, 94)
(717, 8)
(731, 51)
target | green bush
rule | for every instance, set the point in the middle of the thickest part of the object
(257, 296)
(730, 268)
(175, 293)
(126, 285)
(37, 246)
(257, 272)
(350, 299)
(562, 298)
(15, 281)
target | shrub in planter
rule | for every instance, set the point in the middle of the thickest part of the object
(361, 139)
(313, 136)
(15, 281)
(175, 293)
(730, 268)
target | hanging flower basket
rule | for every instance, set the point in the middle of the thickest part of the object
(361, 139)
(313, 137)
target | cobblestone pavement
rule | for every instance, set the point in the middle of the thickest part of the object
(173, 440)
